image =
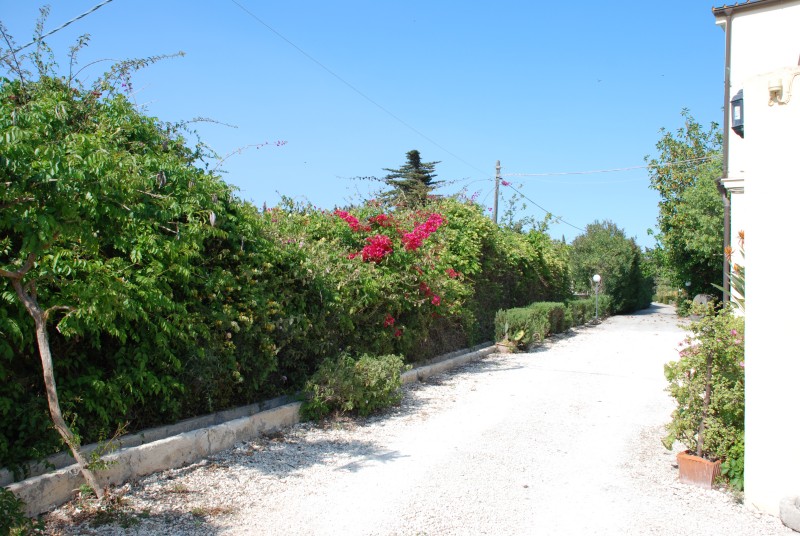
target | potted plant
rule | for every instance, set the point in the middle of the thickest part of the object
(707, 383)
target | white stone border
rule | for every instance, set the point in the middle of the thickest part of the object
(44, 492)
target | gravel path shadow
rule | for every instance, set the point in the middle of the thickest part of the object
(562, 440)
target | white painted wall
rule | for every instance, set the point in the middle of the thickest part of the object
(763, 40)
(772, 351)
(765, 44)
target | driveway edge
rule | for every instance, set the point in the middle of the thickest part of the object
(47, 491)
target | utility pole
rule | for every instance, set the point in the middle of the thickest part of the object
(496, 189)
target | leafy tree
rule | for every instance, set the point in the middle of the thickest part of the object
(690, 210)
(604, 249)
(101, 210)
(411, 183)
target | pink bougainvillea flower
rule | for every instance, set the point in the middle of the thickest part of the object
(452, 273)
(389, 321)
(436, 300)
(382, 220)
(351, 220)
(413, 240)
(425, 289)
(378, 247)
(398, 333)
(505, 183)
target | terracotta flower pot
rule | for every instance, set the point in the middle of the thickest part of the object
(696, 470)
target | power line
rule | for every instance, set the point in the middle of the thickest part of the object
(51, 32)
(558, 218)
(352, 87)
(588, 183)
(562, 173)
(631, 168)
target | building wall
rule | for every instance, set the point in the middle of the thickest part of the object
(762, 41)
(763, 178)
(772, 357)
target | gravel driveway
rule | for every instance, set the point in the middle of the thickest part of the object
(563, 440)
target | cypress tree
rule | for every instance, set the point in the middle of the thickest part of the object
(411, 183)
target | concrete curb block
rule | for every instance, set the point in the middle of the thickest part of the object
(424, 372)
(47, 491)
(64, 459)
(44, 492)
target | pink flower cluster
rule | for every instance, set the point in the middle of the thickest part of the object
(382, 220)
(426, 290)
(452, 273)
(378, 246)
(389, 321)
(351, 220)
(413, 240)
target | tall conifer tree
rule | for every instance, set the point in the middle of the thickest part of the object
(411, 183)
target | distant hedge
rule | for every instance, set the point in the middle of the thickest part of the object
(523, 326)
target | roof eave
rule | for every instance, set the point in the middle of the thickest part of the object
(725, 10)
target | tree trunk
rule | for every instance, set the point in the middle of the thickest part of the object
(706, 403)
(46, 357)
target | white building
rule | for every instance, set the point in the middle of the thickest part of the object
(763, 177)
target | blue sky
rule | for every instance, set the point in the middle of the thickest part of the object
(544, 87)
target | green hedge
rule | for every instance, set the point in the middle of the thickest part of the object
(526, 325)
(581, 311)
(269, 297)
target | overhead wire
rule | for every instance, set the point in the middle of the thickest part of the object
(421, 134)
(557, 218)
(355, 89)
(51, 32)
(563, 173)
(613, 170)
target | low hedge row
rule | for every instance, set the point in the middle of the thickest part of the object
(524, 326)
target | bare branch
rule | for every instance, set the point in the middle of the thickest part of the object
(152, 195)
(19, 274)
(74, 76)
(167, 229)
(57, 308)
(242, 149)
(17, 201)
(12, 53)
(182, 124)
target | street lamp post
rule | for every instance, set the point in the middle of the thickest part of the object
(596, 279)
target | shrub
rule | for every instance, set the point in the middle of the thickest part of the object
(582, 311)
(526, 325)
(715, 348)
(359, 385)
(605, 250)
(733, 466)
(13, 520)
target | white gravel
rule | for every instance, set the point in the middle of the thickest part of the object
(563, 440)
